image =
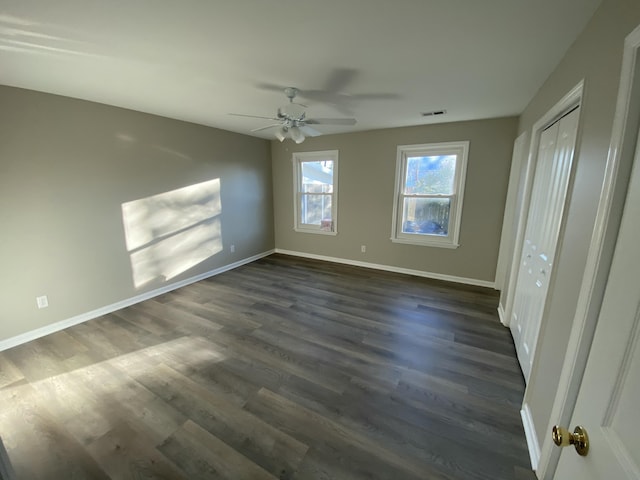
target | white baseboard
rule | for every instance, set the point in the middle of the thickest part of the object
(83, 317)
(388, 268)
(530, 434)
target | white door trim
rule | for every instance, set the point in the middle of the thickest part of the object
(599, 256)
(567, 103)
(509, 224)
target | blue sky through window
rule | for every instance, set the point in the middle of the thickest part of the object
(433, 174)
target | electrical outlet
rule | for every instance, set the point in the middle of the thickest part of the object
(43, 301)
(232, 248)
(363, 248)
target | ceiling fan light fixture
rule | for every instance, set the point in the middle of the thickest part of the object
(296, 135)
(281, 134)
(291, 120)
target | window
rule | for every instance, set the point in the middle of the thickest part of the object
(428, 196)
(316, 175)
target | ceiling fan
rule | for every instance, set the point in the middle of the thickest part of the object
(291, 120)
(334, 91)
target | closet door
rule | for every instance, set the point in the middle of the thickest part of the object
(542, 231)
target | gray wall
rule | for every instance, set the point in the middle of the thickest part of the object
(596, 56)
(367, 165)
(67, 167)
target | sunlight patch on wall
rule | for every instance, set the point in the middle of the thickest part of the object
(169, 233)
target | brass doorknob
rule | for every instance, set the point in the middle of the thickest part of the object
(579, 438)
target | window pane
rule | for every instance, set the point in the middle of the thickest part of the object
(317, 177)
(316, 188)
(430, 175)
(426, 216)
(315, 209)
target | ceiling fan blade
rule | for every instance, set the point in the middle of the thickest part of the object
(267, 127)
(330, 121)
(310, 132)
(252, 116)
(271, 86)
(339, 101)
(376, 96)
(339, 79)
(320, 96)
(343, 108)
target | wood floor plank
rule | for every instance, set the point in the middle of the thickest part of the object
(35, 360)
(122, 398)
(453, 426)
(62, 345)
(288, 415)
(39, 446)
(75, 406)
(202, 455)
(246, 433)
(285, 368)
(345, 356)
(286, 360)
(9, 373)
(124, 453)
(208, 312)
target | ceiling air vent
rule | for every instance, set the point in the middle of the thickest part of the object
(434, 113)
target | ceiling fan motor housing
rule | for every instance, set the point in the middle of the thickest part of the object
(291, 111)
(291, 93)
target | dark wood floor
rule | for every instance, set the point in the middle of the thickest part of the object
(285, 368)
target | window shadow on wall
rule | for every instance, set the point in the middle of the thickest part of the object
(168, 233)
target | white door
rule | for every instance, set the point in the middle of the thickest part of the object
(548, 196)
(608, 404)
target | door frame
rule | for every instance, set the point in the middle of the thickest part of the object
(510, 221)
(570, 101)
(626, 123)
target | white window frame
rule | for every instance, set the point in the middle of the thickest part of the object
(298, 159)
(460, 150)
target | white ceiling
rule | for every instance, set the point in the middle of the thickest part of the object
(198, 60)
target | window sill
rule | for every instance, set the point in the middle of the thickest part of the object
(425, 243)
(317, 232)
